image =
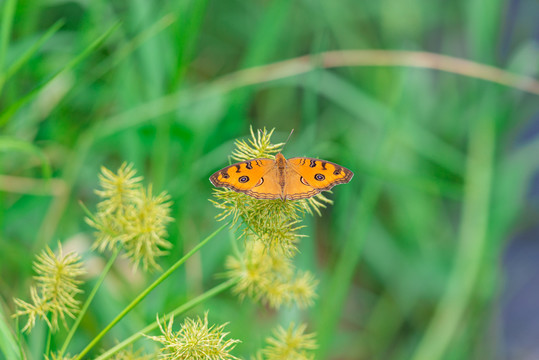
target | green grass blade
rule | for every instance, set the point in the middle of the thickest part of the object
(129, 47)
(331, 305)
(484, 26)
(8, 343)
(13, 144)
(10, 111)
(190, 28)
(8, 14)
(88, 302)
(33, 49)
(472, 241)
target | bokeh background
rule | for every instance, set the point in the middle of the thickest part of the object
(429, 253)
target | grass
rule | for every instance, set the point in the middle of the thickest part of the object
(408, 257)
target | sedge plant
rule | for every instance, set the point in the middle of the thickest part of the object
(131, 220)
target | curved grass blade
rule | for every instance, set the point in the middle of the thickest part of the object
(10, 111)
(32, 50)
(8, 344)
(8, 15)
(10, 143)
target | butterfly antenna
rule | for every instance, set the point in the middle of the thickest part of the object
(286, 142)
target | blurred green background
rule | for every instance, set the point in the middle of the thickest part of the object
(410, 257)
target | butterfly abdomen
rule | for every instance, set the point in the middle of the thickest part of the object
(280, 162)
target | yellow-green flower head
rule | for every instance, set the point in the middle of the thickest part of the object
(259, 146)
(195, 340)
(268, 276)
(145, 232)
(131, 216)
(290, 344)
(54, 295)
(118, 189)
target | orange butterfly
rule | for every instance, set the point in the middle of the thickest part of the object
(292, 179)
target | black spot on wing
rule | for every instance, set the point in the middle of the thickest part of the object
(248, 165)
(324, 165)
(313, 163)
(237, 168)
(225, 175)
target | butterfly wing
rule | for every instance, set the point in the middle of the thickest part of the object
(268, 186)
(307, 177)
(256, 178)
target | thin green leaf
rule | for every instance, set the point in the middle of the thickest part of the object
(12, 144)
(8, 343)
(8, 15)
(23, 59)
(10, 111)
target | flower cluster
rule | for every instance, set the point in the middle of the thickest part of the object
(266, 275)
(264, 269)
(131, 216)
(195, 340)
(54, 295)
(290, 344)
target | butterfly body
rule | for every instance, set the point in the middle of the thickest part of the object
(292, 179)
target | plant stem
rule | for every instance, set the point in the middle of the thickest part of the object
(48, 343)
(88, 302)
(142, 295)
(179, 310)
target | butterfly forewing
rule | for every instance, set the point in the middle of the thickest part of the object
(320, 174)
(242, 176)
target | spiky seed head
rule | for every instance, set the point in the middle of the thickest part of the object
(53, 296)
(131, 216)
(196, 340)
(290, 344)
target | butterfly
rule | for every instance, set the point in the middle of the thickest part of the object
(292, 179)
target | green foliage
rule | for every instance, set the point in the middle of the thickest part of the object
(409, 253)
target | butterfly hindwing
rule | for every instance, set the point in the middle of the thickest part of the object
(267, 187)
(296, 188)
